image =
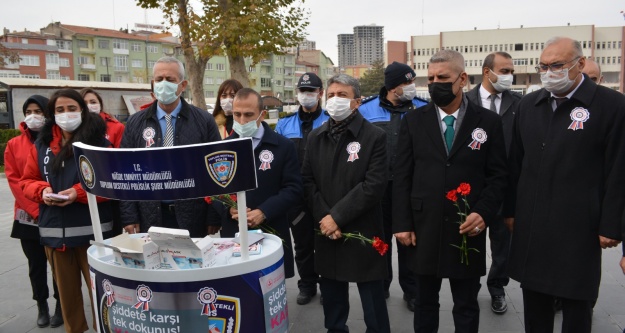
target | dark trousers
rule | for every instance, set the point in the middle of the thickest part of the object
(336, 305)
(38, 270)
(500, 246)
(168, 216)
(539, 313)
(407, 279)
(303, 232)
(466, 311)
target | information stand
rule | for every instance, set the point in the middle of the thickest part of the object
(247, 294)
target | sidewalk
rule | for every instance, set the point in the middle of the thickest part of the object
(18, 312)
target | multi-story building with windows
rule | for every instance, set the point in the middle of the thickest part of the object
(272, 76)
(362, 47)
(110, 55)
(603, 44)
(41, 57)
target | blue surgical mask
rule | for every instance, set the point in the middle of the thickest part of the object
(165, 92)
(248, 129)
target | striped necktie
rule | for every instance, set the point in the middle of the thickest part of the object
(168, 141)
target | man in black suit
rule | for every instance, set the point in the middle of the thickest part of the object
(277, 172)
(494, 94)
(566, 193)
(445, 143)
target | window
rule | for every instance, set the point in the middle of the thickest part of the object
(209, 94)
(208, 80)
(137, 63)
(209, 67)
(105, 61)
(136, 47)
(279, 70)
(219, 80)
(83, 77)
(168, 50)
(64, 77)
(24, 41)
(83, 60)
(221, 67)
(137, 79)
(120, 44)
(64, 44)
(251, 69)
(83, 44)
(53, 75)
(120, 63)
(64, 62)
(119, 78)
(278, 83)
(265, 82)
(103, 44)
(152, 48)
(519, 62)
(518, 47)
(29, 60)
(52, 59)
(151, 63)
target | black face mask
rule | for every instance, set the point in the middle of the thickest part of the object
(442, 93)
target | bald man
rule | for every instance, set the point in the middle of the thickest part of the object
(566, 149)
(593, 70)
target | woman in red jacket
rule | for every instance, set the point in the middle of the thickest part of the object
(114, 129)
(26, 212)
(65, 223)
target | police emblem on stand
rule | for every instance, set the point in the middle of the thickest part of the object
(221, 166)
(86, 170)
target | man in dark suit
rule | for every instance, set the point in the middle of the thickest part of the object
(566, 193)
(278, 176)
(494, 94)
(445, 143)
(345, 174)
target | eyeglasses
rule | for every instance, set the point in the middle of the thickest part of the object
(555, 68)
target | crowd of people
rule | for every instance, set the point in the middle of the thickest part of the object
(540, 174)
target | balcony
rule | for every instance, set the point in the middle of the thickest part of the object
(87, 67)
(121, 51)
(87, 50)
(121, 68)
(52, 67)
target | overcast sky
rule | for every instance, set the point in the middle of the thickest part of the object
(401, 19)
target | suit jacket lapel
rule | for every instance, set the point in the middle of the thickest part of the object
(506, 102)
(469, 123)
(432, 127)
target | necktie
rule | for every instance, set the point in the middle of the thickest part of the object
(559, 100)
(493, 107)
(169, 132)
(449, 131)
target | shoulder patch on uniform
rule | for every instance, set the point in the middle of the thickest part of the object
(368, 99)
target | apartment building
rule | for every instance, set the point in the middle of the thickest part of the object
(41, 57)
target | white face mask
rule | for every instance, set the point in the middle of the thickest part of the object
(165, 92)
(409, 92)
(308, 99)
(95, 108)
(248, 129)
(557, 83)
(68, 121)
(338, 108)
(226, 105)
(35, 121)
(504, 82)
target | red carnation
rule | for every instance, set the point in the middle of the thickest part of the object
(208, 200)
(452, 195)
(379, 245)
(233, 197)
(463, 189)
